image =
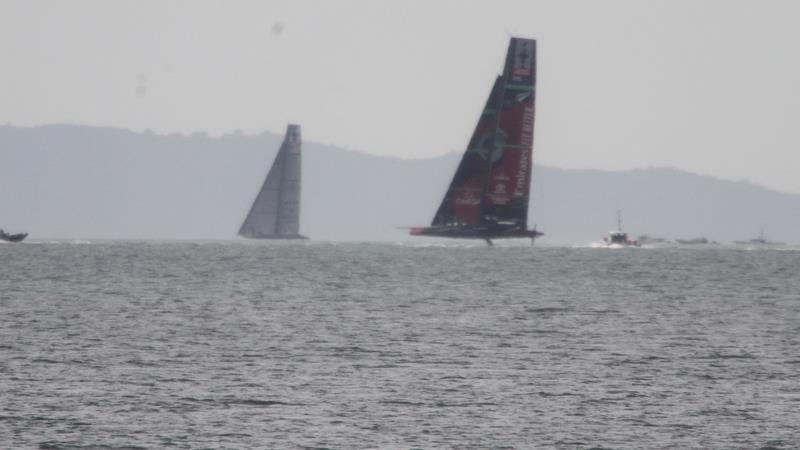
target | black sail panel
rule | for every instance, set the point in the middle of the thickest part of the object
(507, 187)
(276, 210)
(462, 202)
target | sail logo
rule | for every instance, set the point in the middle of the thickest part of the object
(523, 60)
(468, 199)
(499, 199)
(523, 97)
(526, 138)
(520, 189)
(527, 126)
(519, 73)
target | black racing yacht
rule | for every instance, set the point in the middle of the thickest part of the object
(8, 237)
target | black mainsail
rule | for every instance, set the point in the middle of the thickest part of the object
(275, 213)
(490, 191)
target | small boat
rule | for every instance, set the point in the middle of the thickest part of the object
(693, 241)
(8, 237)
(619, 237)
(275, 213)
(760, 240)
(489, 194)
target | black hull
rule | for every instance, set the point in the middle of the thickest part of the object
(287, 237)
(13, 237)
(476, 233)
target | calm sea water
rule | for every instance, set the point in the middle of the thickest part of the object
(319, 345)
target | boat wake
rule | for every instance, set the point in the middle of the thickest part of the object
(612, 246)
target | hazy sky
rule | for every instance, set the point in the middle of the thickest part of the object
(709, 86)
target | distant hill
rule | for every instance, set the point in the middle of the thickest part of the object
(86, 182)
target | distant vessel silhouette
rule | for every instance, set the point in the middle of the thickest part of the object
(489, 194)
(646, 239)
(275, 213)
(8, 237)
(619, 237)
(694, 241)
(760, 240)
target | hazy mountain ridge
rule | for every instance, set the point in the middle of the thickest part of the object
(66, 181)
